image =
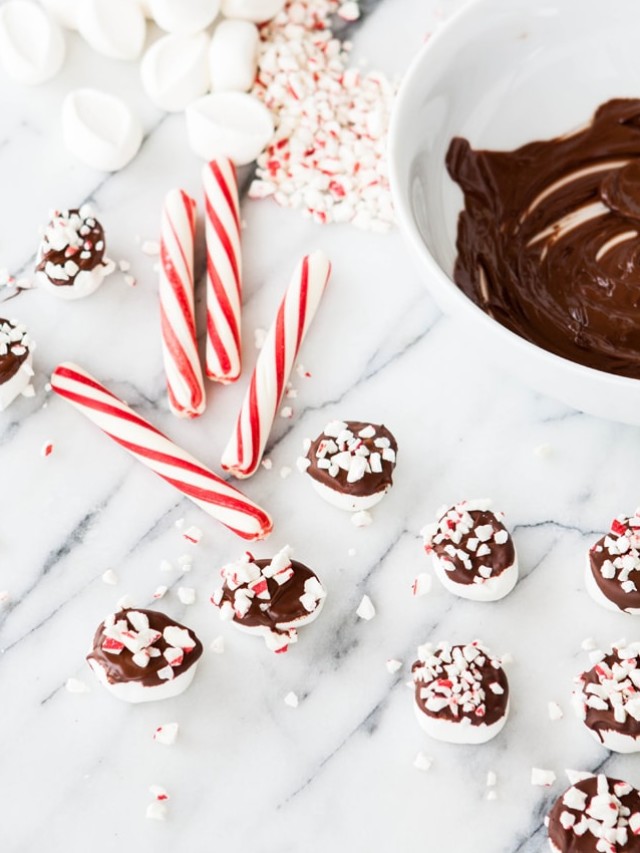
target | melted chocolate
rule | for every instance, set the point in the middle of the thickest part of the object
(121, 668)
(485, 672)
(283, 606)
(567, 841)
(81, 244)
(574, 291)
(604, 720)
(11, 362)
(371, 483)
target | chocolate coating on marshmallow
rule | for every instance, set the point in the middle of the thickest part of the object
(145, 647)
(471, 542)
(270, 597)
(353, 458)
(615, 563)
(607, 698)
(460, 684)
(594, 815)
(15, 346)
(73, 244)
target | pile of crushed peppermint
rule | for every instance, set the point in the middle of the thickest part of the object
(327, 157)
(617, 689)
(134, 633)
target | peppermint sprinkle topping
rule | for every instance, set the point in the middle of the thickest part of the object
(617, 555)
(612, 686)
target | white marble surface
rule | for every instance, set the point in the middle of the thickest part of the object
(249, 773)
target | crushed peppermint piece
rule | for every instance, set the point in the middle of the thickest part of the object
(166, 733)
(217, 645)
(156, 811)
(187, 594)
(543, 451)
(362, 518)
(285, 472)
(160, 592)
(421, 585)
(150, 247)
(125, 601)
(76, 685)
(492, 779)
(286, 412)
(110, 577)
(393, 665)
(46, 449)
(365, 609)
(29, 391)
(575, 776)
(166, 566)
(267, 464)
(4, 596)
(193, 534)
(492, 794)
(555, 711)
(352, 552)
(422, 762)
(542, 778)
(291, 699)
(588, 645)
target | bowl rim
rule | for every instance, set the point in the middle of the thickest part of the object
(409, 228)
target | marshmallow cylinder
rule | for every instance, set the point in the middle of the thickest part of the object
(275, 362)
(229, 124)
(85, 283)
(491, 589)
(185, 385)
(257, 11)
(100, 129)
(160, 454)
(135, 692)
(463, 732)
(185, 17)
(224, 271)
(233, 56)
(348, 503)
(114, 28)
(175, 71)
(32, 47)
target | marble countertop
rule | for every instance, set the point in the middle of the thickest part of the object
(248, 772)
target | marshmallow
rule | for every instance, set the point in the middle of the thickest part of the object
(175, 71)
(185, 17)
(65, 12)
(229, 124)
(257, 11)
(115, 28)
(348, 503)
(32, 47)
(596, 594)
(462, 732)
(100, 129)
(233, 56)
(135, 692)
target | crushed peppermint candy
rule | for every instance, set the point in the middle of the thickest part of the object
(542, 778)
(470, 542)
(328, 154)
(166, 734)
(421, 585)
(187, 594)
(393, 665)
(110, 577)
(362, 518)
(156, 810)
(46, 449)
(365, 609)
(555, 711)
(193, 534)
(291, 699)
(217, 645)
(610, 691)
(422, 762)
(76, 685)
(492, 779)
(615, 560)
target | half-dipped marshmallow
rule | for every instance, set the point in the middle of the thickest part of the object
(607, 698)
(71, 261)
(613, 566)
(271, 598)
(596, 815)
(142, 655)
(461, 692)
(16, 348)
(351, 463)
(473, 553)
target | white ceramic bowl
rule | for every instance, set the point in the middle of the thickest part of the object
(502, 73)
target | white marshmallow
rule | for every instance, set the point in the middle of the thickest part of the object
(185, 17)
(100, 129)
(257, 11)
(229, 124)
(85, 283)
(175, 71)
(491, 589)
(349, 503)
(462, 732)
(65, 12)
(15, 386)
(135, 692)
(598, 595)
(32, 47)
(114, 28)
(233, 56)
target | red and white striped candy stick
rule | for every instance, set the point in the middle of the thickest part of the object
(179, 344)
(224, 270)
(159, 453)
(275, 362)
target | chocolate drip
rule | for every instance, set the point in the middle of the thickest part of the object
(573, 289)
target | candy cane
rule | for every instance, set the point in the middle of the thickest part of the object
(179, 345)
(224, 270)
(275, 362)
(159, 453)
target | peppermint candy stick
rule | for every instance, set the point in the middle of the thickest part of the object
(157, 452)
(224, 270)
(275, 362)
(179, 344)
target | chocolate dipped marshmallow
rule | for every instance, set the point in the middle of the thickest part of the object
(142, 655)
(16, 370)
(461, 693)
(71, 258)
(270, 598)
(613, 566)
(351, 464)
(472, 552)
(607, 698)
(596, 815)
